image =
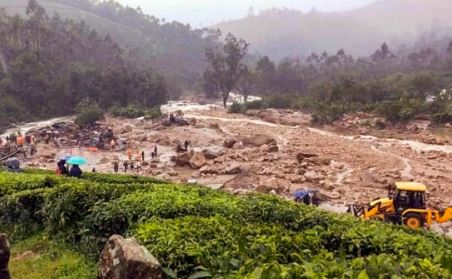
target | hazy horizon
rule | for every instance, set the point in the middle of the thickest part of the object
(201, 13)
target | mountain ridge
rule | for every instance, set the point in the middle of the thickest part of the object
(283, 32)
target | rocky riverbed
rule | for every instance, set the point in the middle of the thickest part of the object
(266, 151)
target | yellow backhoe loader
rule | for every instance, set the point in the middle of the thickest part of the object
(406, 204)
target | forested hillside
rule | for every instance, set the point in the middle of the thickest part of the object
(173, 49)
(282, 32)
(400, 86)
(50, 64)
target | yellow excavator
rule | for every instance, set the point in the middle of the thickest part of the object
(406, 204)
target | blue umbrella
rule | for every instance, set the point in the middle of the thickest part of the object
(76, 160)
(299, 194)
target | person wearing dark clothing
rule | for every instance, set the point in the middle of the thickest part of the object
(307, 199)
(142, 156)
(62, 169)
(75, 171)
(93, 170)
(132, 166)
(315, 199)
(186, 143)
(155, 150)
(126, 166)
(116, 167)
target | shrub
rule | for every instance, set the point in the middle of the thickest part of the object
(282, 101)
(256, 104)
(237, 108)
(130, 111)
(153, 113)
(88, 112)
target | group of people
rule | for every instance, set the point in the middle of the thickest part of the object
(18, 142)
(308, 197)
(135, 159)
(62, 169)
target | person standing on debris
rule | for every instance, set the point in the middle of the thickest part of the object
(315, 199)
(33, 149)
(132, 166)
(155, 150)
(186, 143)
(126, 166)
(75, 171)
(129, 154)
(142, 156)
(307, 199)
(115, 167)
(93, 170)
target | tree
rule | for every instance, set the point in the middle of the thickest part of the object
(247, 83)
(223, 71)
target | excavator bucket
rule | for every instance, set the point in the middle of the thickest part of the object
(446, 216)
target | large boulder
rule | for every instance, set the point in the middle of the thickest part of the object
(197, 160)
(258, 140)
(183, 159)
(125, 258)
(211, 154)
(4, 256)
(234, 168)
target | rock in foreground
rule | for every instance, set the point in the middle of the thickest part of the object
(125, 258)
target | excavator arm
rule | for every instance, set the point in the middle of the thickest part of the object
(445, 217)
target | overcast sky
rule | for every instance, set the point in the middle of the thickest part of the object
(207, 12)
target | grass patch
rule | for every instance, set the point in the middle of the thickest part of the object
(37, 257)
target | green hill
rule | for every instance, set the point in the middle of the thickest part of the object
(173, 49)
(192, 228)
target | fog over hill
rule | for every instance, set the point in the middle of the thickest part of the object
(400, 23)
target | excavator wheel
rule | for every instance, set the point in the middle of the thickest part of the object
(413, 220)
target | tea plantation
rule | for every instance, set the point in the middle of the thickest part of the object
(196, 232)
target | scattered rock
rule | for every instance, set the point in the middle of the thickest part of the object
(211, 155)
(313, 176)
(234, 168)
(208, 170)
(302, 156)
(125, 258)
(197, 160)
(258, 140)
(229, 143)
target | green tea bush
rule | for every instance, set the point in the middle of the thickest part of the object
(197, 232)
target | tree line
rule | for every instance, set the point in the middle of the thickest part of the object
(399, 86)
(50, 64)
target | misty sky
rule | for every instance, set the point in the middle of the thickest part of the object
(207, 12)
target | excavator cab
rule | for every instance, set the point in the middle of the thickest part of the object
(408, 195)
